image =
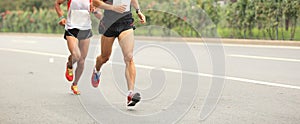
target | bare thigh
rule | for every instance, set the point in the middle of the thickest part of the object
(84, 47)
(106, 46)
(126, 41)
(73, 46)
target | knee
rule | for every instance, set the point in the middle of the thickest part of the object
(76, 56)
(81, 62)
(128, 58)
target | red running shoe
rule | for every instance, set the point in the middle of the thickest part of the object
(69, 74)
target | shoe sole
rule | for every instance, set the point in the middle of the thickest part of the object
(135, 99)
(69, 80)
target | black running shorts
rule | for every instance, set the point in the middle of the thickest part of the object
(115, 29)
(79, 34)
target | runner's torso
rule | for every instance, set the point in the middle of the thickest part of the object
(79, 15)
(111, 17)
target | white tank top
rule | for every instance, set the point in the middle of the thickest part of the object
(79, 15)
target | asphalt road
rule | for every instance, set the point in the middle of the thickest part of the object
(180, 82)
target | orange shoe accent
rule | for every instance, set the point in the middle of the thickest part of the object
(74, 88)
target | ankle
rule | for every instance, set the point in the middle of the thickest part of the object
(129, 92)
(70, 65)
(97, 70)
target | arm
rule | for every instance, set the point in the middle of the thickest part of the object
(136, 5)
(57, 7)
(100, 4)
(59, 12)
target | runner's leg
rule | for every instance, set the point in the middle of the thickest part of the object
(83, 47)
(106, 48)
(74, 50)
(126, 41)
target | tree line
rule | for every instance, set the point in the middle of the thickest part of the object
(273, 19)
(258, 19)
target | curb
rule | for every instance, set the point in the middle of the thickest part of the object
(223, 40)
(178, 39)
(31, 34)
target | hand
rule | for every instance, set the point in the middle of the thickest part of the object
(62, 22)
(98, 15)
(92, 8)
(142, 17)
(119, 9)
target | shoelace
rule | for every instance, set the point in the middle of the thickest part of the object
(96, 76)
(75, 88)
(70, 72)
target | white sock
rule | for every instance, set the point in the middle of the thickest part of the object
(98, 72)
(129, 92)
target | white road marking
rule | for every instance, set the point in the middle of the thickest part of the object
(264, 58)
(216, 76)
(246, 45)
(168, 70)
(25, 41)
(34, 52)
(262, 46)
(263, 82)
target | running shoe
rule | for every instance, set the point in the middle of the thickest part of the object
(133, 99)
(95, 78)
(74, 88)
(69, 74)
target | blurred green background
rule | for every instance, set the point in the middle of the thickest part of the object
(246, 19)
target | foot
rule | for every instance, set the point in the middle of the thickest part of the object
(74, 88)
(95, 78)
(133, 99)
(69, 73)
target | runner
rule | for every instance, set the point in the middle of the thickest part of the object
(77, 33)
(116, 25)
